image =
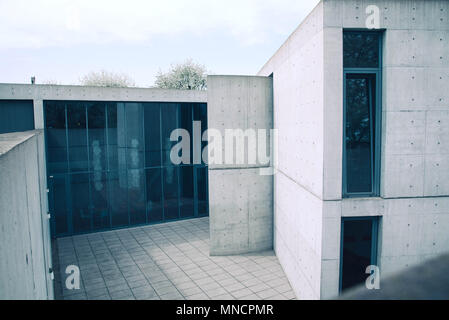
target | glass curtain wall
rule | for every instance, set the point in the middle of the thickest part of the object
(109, 165)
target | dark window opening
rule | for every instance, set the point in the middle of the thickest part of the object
(358, 250)
(16, 115)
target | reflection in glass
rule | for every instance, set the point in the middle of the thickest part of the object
(154, 195)
(99, 196)
(152, 135)
(169, 117)
(171, 206)
(136, 196)
(112, 141)
(77, 136)
(59, 203)
(96, 118)
(186, 187)
(357, 251)
(79, 192)
(202, 187)
(112, 168)
(118, 199)
(56, 137)
(200, 114)
(360, 95)
(361, 49)
(134, 135)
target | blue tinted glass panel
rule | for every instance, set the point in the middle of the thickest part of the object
(200, 114)
(186, 123)
(59, 203)
(136, 196)
(56, 138)
(186, 187)
(171, 206)
(169, 116)
(96, 113)
(16, 115)
(99, 200)
(79, 194)
(360, 102)
(118, 198)
(112, 140)
(202, 187)
(154, 195)
(134, 135)
(152, 135)
(77, 136)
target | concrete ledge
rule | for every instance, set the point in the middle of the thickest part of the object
(9, 141)
(56, 92)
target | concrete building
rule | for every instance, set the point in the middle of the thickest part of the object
(360, 163)
(410, 202)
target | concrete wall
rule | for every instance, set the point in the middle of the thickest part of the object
(39, 93)
(308, 111)
(414, 202)
(25, 252)
(240, 199)
(297, 69)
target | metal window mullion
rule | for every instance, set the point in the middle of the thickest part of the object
(90, 206)
(194, 168)
(178, 168)
(374, 239)
(125, 124)
(162, 162)
(67, 179)
(378, 145)
(372, 129)
(342, 232)
(344, 168)
(143, 106)
(108, 169)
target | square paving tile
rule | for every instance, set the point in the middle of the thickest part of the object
(165, 261)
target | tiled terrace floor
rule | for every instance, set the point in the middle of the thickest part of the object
(165, 261)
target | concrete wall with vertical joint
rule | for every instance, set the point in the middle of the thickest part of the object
(240, 198)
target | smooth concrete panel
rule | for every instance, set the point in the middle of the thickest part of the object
(240, 197)
(240, 210)
(299, 116)
(415, 88)
(405, 132)
(437, 132)
(333, 114)
(24, 236)
(240, 103)
(394, 14)
(38, 106)
(402, 176)
(298, 236)
(436, 175)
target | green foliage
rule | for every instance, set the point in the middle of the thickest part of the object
(183, 76)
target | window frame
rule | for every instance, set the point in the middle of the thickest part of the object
(375, 130)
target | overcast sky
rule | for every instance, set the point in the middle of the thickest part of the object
(61, 40)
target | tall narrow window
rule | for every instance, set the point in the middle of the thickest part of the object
(362, 63)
